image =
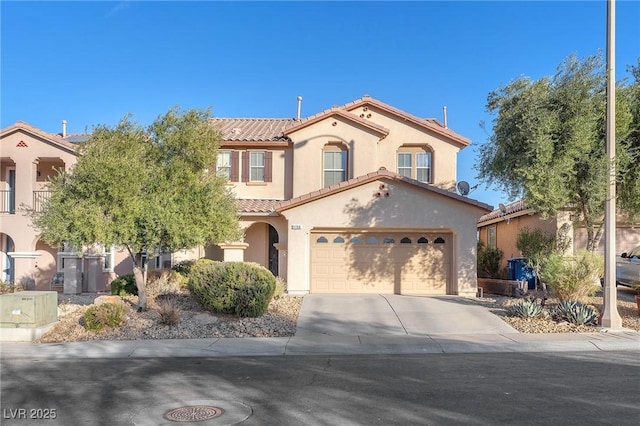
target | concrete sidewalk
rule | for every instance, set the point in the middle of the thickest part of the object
(326, 345)
(354, 324)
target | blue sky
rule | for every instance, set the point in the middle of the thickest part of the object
(93, 62)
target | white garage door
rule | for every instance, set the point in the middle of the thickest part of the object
(380, 262)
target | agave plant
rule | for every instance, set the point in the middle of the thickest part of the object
(527, 308)
(575, 312)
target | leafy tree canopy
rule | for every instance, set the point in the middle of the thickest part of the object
(548, 142)
(143, 189)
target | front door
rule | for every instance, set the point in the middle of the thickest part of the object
(273, 252)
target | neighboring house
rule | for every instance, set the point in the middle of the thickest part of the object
(355, 199)
(28, 158)
(501, 227)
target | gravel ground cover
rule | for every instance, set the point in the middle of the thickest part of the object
(280, 320)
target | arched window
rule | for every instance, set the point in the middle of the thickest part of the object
(356, 240)
(423, 240)
(372, 240)
(405, 240)
(334, 164)
(322, 240)
(439, 240)
(388, 240)
(338, 240)
(416, 162)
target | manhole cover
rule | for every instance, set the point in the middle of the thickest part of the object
(193, 413)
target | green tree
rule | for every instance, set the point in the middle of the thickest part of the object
(548, 143)
(143, 189)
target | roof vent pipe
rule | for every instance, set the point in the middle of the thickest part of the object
(64, 128)
(299, 105)
(444, 112)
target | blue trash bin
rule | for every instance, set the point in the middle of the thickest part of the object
(519, 271)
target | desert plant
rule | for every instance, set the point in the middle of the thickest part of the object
(165, 282)
(168, 311)
(124, 285)
(527, 308)
(105, 315)
(240, 288)
(575, 312)
(573, 278)
(281, 288)
(489, 259)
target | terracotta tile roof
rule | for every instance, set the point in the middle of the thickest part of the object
(51, 137)
(253, 129)
(370, 177)
(427, 123)
(510, 209)
(341, 113)
(256, 206)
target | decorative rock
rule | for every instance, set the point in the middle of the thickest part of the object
(108, 299)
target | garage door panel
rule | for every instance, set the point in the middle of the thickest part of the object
(385, 262)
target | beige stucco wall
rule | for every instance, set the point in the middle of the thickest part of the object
(257, 237)
(280, 186)
(401, 133)
(407, 208)
(627, 237)
(308, 142)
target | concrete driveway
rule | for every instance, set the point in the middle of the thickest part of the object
(392, 314)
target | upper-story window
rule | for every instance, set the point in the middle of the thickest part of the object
(334, 159)
(415, 162)
(224, 164)
(256, 166)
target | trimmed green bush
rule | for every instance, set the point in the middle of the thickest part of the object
(124, 286)
(240, 288)
(105, 315)
(184, 267)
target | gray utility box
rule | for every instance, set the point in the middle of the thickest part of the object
(28, 309)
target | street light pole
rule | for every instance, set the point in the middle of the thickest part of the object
(610, 317)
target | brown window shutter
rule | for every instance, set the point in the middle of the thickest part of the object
(245, 166)
(235, 166)
(268, 166)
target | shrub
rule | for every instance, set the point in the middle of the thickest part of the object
(168, 311)
(165, 282)
(183, 267)
(281, 288)
(573, 278)
(526, 308)
(489, 261)
(124, 285)
(575, 312)
(240, 288)
(105, 315)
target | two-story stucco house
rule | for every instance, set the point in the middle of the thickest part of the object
(29, 157)
(354, 199)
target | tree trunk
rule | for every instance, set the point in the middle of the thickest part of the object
(141, 275)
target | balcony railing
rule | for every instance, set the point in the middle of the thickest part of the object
(40, 200)
(7, 201)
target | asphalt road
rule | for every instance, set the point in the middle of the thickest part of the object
(595, 388)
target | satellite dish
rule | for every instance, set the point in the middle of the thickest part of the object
(463, 188)
(502, 208)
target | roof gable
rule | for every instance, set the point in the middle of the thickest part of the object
(370, 177)
(49, 138)
(428, 124)
(337, 112)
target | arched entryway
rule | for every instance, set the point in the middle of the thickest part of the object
(261, 238)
